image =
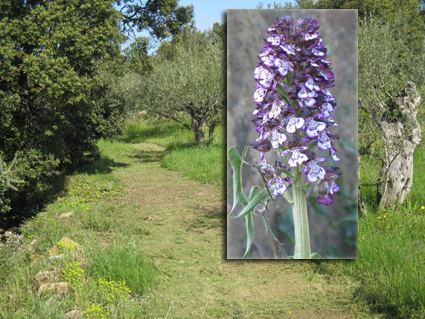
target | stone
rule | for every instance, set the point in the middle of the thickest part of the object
(65, 244)
(31, 247)
(43, 277)
(58, 287)
(57, 259)
(74, 314)
(66, 215)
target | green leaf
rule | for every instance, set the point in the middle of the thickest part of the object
(12, 187)
(312, 145)
(289, 174)
(253, 192)
(315, 256)
(249, 234)
(13, 163)
(237, 161)
(349, 219)
(16, 181)
(1, 165)
(348, 146)
(287, 197)
(255, 201)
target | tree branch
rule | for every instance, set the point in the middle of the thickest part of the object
(373, 184)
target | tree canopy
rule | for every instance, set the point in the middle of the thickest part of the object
(162, 18)
(186, 86)
(53, 103)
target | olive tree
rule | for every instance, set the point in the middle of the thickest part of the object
(389, 130)
(189, 88)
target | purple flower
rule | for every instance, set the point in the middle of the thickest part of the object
(296, 157)
(278, 138)
(313, 171)
(280, 186)
(327, 187)
(294, 53)
(314, 127)
(273, 175)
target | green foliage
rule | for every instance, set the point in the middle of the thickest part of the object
(138, 60)
(6, 182)
(391, 240)
(54, 105)
(191, 83)
(161, 18)
(380, 83)
(125, 264)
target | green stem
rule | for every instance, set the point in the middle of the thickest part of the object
(299, 208)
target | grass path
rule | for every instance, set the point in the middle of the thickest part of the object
(184, 223)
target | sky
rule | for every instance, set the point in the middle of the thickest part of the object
(209, 12)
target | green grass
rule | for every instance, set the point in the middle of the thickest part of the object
(204, 163)
(109, 265)
(390, 263)
(123, 263)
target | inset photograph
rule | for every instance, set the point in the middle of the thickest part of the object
(292, 190)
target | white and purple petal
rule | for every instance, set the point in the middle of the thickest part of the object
(325, 109)
(316, 173)
(267, 50)
(309, 37)
(294, 123)
(280, 187)
(334, 188)
(268, 60)
(285, 152)
(259, 95)
(276, 109)
(311, 94)
(278, 138)
(310, 102)
(332, 152)
(297, 157)
(282, 66)
(314, 128)
(318, 53)
(302, 94)
(274, 40)
(288, 48)
(258, 70)
(266, 78)
(323, 141)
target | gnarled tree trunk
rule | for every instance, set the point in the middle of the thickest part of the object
(404, 133)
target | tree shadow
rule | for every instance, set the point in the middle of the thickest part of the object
(147, 156)
(27, 204)
(207, 219)
(105, 166)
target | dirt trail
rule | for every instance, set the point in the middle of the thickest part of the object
(186, 223)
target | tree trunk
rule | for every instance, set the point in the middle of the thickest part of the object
(404, 133)
(211, 132)
(198, 127)
(213, 125)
